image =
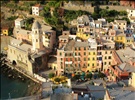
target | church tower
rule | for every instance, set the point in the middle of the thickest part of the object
(37, 41)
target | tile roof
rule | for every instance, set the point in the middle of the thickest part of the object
(126, 54)
(81, 44)
(121, 21)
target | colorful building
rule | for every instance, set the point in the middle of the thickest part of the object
(5, 30)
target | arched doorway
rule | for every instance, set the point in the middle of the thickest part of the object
(14, 62)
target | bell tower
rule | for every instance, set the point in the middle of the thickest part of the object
(37, 41)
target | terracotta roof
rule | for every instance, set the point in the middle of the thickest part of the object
(37, 5)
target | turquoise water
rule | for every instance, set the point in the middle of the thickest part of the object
(16, 88)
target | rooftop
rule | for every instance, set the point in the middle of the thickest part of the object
(126, 54)
(21, 31)
(120, 21)
(53, 60)
(69, 45)
(120, 94)
(127, 67)
(36, 25)
(64, 36)
(81, 44)
(61, 96)
(19, 19)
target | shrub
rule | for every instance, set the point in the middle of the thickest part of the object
(51, 75)
(107, 7)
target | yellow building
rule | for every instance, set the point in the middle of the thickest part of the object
(83, 36)
(92, 60)
(120, 38)
(4, 31)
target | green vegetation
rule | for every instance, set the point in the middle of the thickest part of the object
(51, 75)
(71, 14)
(52, 16)
(12, 18)
(109, 15)
(10, 31)
(101, 75)
(89, 75)
(28, 23)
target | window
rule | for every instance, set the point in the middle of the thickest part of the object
(93, 53)
(109, 63)
(75, 59)
(92, 64)
(70, 59)
(88, 64)
(60, 53)
(61, 67)
(105, 57)
(88, 58)
(106, 52)
(84, 53)
(78, 59)
(89, 53)
(36, 40)
(109, 57)
(84, 48)
(65, 54)
(86, 34)
(93, 58)
(75, 54)
(110, 52)
(104, 63)
(79, 48)
(84, 59)
(79, 54)
(75, 48)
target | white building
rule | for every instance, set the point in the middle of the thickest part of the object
(19, 23)
(37, 40)
(36, 9)
(131, 15)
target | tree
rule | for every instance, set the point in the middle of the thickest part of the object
(122, 13)
(107, 7)
(89, 75)
(51, 75)
(101, 75)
